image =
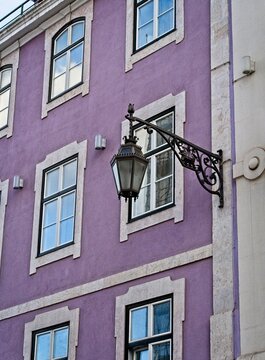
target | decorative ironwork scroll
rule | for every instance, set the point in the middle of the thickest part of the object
(207, 165)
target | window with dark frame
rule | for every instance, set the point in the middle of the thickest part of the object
(67, 59)
(152, 20)
(149, 330)
(5, 89)
(58, 206)
(51, 343)
(157, 191)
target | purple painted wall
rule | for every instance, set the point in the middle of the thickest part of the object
(97, 314)
(170, 70)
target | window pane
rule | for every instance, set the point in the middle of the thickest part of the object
(76, 56)
(145, 34)
(66, 231)
(61, 42)
(4, 99)
(164, 5)
(52, 182)
(3, 118)
(142, 204)
(68, 205)
(60, 66)
(43, 347)
(69, 174)
(163, 164)
(59, 85)
(145, 13)
(166, 123)
(139, 323)
(165, 23)
(144, 139)
(75, 75)
(77, 31)
(161, 316)
(5, 78)
(60, 348)
(142, 355)
(164, 192)
(161, 351)
(50, 213)
(49, 238)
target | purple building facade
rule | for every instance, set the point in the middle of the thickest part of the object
(83, 275)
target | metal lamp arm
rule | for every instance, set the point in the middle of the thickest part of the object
(207, 165)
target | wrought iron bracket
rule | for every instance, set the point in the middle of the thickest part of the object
(207, 166)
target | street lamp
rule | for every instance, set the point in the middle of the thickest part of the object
(129, 165)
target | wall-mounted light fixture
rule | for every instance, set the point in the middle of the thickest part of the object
(248, 65)
(129, 165)
(100, 142)
(18, 182)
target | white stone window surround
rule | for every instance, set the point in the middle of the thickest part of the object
(84, 9)
(175, 212)
(177, 35)
(49, 319)
(3, 203)
(79, 149)
(12, 60)
(149, 291)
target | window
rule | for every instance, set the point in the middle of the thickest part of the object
(52, 335)
(57, 220)
(8, 78)
(149, 321)
(158, 184)
(58, 206)
(67, 55)
(51, 344)
(67, 58)
(151, 25)
(154, 18)
(5, 85)
(161, 197)
(150, 330)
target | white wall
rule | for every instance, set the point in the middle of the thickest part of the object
(248, 27)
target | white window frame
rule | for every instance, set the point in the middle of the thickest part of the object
(3, 204)
(148, 291)
(66, 51)
(173, 36)
(12, 60)
(152, 162)
(4, 89)
(52, 332)
(57, 196)
(175, 212)
(73, 249)
(50, 319)
(78, 9)
(150, 338)
(150, 307)
(155, 23)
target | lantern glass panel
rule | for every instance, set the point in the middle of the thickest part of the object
(139, 171)
(116, 176)
(125, 168)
